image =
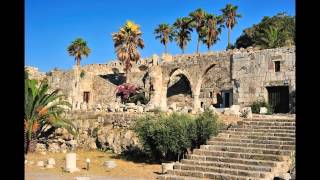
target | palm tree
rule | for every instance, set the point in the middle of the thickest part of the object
(165, 34)
(78, 48)
(126, 42)
(271, 38)
(42, 112)
(229, 16)
(212, 30)
(182, 32)
(198, 22)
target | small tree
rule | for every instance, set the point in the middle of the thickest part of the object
(126, 42)
(78, 48)
(42, 112)
(165, 34)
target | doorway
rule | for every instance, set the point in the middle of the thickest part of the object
(227, 98)
(86, 96)
(278, 98)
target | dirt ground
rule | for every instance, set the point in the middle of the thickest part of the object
(125, 169)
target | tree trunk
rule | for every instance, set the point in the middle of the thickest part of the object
(229, 31)
(198, 45)
(78, 61)
(182, 50)
(165, 48)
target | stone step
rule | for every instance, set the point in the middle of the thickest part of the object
(255, 156)
(227, 165)
(247, 140)
(266, 123)
(275, 138)
(236, 172)
(244, 150)
(176, 177)
(235, 129)
(265, 127)
(254, 145)
(293, 135)
(209, 175)
(232, 160)
(271, 120)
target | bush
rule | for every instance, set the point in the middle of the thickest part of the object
(206, 126)
(257, 104)
(82, 74)
(138, 97)
(165, 137)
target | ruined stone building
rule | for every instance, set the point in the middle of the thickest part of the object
(192, 82)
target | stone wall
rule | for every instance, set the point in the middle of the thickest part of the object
(95, 130)
(253, 71)
(244, 72)
(34, 73)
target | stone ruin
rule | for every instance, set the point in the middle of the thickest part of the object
(186, 83)
(225, 82)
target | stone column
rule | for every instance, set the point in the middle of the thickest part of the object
(163, 100)
(71, 163)
(196, 103)
(155, 74)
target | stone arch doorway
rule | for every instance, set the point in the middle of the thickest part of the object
(179, 90)
(204, 93)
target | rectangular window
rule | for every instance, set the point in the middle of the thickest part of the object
(277, 66)
(211, 94)
(86, 97)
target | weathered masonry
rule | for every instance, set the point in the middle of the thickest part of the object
(191, 82)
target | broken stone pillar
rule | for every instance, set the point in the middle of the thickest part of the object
(155, 60)
(71, 163)
(155, 74)
(166, 167)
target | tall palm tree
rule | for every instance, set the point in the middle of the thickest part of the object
(271, 38)
(165, 34)
(42, 112)
(212, 28)
(126, 42)
(229, 16)
(198, 21)
(78, 48)
(182, 32)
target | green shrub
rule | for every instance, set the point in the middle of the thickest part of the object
(255, 107)
(165, 137)
(82, 74)
(138, 97)
(206, 126)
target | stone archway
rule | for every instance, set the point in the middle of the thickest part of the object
(197, 102)
(177, 77)
(179, 93)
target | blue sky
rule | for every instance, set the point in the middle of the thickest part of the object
(50, 25)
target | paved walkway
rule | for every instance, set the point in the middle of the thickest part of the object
(47, 176)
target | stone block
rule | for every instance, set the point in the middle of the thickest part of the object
(166, 166)
(71, 163)
(110, 164)
(263, 110)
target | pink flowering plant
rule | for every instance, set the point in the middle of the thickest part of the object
(126, 90)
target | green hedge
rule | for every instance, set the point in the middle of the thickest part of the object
(165, 137)
(255, 107)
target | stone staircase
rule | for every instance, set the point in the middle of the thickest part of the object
(252, 149)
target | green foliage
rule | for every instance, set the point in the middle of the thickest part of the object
(255, 107)
(82, 74)
(138, 97)
(167, 136)
(276, 31)
(78, 49)
(206, 126)
(43, 110)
